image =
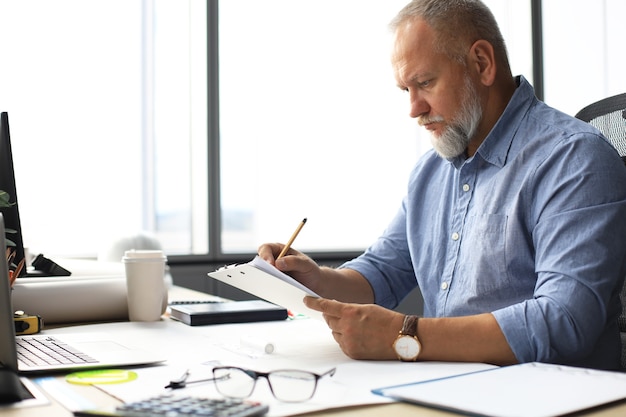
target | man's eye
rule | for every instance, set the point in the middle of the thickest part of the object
(424, 84)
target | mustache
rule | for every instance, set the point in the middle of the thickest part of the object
(424, 120)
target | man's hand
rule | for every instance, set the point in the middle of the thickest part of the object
(295, 264)
(363, 331)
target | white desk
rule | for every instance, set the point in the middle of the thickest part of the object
(181, 341)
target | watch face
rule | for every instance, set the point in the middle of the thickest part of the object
(407, 347)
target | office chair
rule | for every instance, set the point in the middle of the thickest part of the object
(609, 117)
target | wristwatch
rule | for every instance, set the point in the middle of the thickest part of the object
(407, 345)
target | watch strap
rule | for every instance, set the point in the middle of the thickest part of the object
(409, 326)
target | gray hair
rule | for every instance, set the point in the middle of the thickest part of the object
(457, 25)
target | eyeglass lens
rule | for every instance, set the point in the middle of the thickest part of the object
(292, 386)
(233, 382)
(288, 385)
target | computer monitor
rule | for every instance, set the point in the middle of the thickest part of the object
(7, 183)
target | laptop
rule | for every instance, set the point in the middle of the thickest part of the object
(65, 351)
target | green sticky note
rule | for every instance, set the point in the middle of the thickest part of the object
(101, 376)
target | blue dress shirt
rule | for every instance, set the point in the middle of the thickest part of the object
(530, 228)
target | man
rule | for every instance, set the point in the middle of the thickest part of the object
(511, 227)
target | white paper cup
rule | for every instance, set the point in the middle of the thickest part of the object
(145, 284)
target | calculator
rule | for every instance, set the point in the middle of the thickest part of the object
(169, 405)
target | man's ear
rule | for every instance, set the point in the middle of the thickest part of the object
(482, 59)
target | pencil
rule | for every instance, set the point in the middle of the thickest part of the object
(291, 239)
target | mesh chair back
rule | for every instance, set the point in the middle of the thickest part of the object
(609, 117)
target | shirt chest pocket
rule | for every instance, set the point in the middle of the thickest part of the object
(482, 262)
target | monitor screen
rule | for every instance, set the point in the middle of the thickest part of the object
(9, 207)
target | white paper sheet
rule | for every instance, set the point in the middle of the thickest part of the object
(261, 279)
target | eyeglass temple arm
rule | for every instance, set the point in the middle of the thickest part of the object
(182, 382)
(330, 372)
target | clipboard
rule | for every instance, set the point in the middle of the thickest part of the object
(263, 280)
(529, 390)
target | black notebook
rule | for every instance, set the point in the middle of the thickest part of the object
(227, 312)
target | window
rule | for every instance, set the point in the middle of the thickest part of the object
(583, 66)
(107, 106)
(312, 123)
(107, 101)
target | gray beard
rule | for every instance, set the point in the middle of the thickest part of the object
(455, 138)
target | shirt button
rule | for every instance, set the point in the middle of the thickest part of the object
(455, 236)
(444, 286)
(466, 187)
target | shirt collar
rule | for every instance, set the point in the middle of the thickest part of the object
(495, 148)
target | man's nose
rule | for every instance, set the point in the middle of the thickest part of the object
(419, 106)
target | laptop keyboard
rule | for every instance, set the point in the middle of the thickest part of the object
(47, 350)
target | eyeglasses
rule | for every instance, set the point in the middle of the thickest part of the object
(286, 385)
